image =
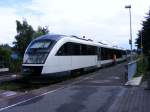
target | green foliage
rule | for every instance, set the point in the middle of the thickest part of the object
(23, 37)
(144, 35)
(142, 65)
(15, 65)
(25, 34)
(41, 31)
(5, 53)
(6, 61)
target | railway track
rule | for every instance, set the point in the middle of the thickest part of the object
(8, 77)
(13, 83)
(16, 83)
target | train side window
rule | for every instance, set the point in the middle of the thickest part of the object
(123, 52)
(76, 49)
(110, 54)
(69, 48)
(64, 50)
(99, 53)
(92, 50)
(83, 49)
(104, 53)
(118, 53)
(61, 51)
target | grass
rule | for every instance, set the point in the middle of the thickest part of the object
(31, 83)
(18, 85)
(142, 65)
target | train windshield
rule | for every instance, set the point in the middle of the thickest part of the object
(37, 52)
(40, 44)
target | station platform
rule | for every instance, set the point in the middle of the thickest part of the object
(101, 91)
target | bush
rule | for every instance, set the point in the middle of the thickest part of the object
(15, 65)
(4, 57)
(142, 65)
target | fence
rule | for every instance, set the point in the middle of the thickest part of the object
(132, 69)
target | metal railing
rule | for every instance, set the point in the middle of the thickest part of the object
(132, 69)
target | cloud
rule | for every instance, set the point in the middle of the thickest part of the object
(7, 25)
(101, 20)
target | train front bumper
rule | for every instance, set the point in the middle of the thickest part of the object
(32, 70)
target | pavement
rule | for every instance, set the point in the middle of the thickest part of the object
(100, 91)
(135, 81)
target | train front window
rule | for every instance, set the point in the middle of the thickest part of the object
(37, 52)
(40, 44)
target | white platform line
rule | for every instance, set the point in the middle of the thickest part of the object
(75, 82)
(4, 108)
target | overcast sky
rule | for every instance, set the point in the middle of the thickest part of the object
(100, 20)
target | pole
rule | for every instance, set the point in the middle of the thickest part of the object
(130, 40)
(141, 43)
(131, 34)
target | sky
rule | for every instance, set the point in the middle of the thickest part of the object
(100, 20)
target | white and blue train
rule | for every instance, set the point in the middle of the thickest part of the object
(51, 54)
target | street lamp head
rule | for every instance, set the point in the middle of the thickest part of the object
(128, 6)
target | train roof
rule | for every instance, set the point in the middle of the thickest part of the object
(91, 42)
(57, 37)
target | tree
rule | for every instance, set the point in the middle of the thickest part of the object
(25, 34)
(5, 52)
(23, 37)
(41, 31)
(144, 35)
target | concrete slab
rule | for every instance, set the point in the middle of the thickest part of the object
(134, 81)
(4, 69)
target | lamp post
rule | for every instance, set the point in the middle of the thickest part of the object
(130, 40)
(141, 43)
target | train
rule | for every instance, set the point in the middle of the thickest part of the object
(55, 54)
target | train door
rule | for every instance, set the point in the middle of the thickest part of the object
(98, 57)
